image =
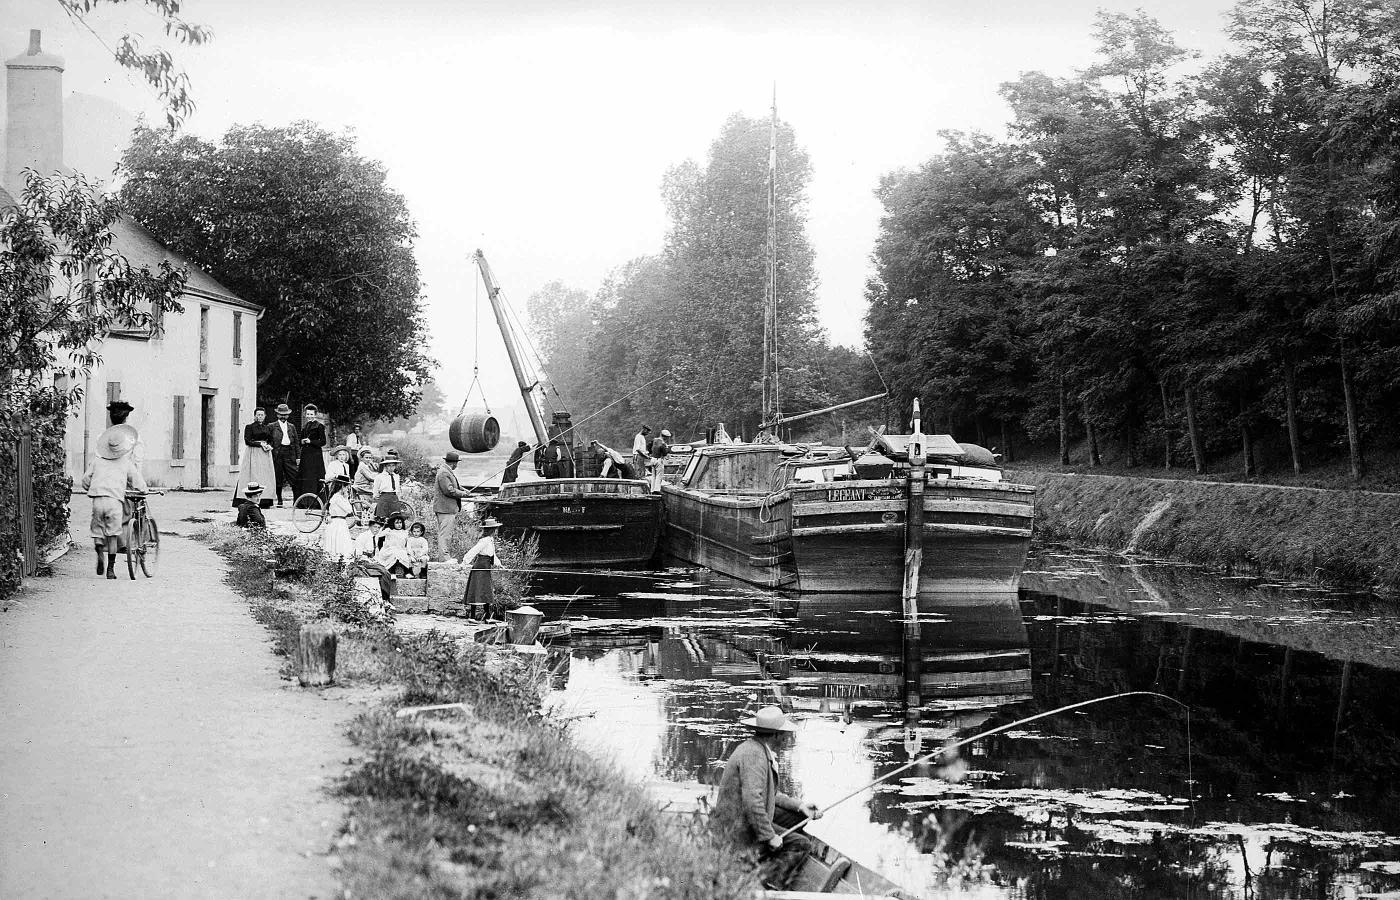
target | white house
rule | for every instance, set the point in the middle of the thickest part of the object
(195, 385)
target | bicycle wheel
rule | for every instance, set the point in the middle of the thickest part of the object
(149, 557)
(308, 512)
(132, 551)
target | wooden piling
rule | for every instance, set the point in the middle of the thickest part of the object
(316, 654)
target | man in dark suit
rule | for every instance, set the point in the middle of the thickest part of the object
(286, 447)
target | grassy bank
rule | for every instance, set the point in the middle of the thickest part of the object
(494, 802)
(1346, 537)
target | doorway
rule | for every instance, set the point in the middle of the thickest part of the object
(206, 439)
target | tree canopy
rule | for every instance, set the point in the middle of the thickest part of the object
(295, 219)
(1156, 258)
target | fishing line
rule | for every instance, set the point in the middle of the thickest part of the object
(988, 733)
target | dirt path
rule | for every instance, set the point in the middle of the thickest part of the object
(148, 747)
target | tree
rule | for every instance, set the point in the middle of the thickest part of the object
(293, 218)
(155, 65)
(63, 288)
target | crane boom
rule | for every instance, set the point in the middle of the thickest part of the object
(527, 389)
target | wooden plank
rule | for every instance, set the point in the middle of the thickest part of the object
(29, 546)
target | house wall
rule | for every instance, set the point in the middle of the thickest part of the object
(153, 372)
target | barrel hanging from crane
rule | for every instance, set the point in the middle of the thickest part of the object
(474, 431)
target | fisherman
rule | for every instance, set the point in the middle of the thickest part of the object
(748, 799)
(641, 457)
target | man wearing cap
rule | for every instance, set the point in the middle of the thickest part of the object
(112, 472)
(748, 797)
(513, 464)
(286, 449)
(447, 502)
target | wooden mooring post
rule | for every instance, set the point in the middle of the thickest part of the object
(913, 566)
(316, 654)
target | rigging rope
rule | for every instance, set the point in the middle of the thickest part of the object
(476, 352)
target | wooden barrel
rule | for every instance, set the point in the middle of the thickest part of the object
(474, 432)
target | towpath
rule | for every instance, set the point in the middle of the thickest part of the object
(148, 747)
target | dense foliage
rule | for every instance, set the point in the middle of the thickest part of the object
(679, 335)
(1178, 265)
(63, 289)
(295, 219)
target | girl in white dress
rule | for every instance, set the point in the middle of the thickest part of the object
(393, 547)
(336, 541)
(417, 551)
(339, 464)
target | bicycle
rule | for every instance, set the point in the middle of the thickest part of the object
(143, 544)
(310, 512)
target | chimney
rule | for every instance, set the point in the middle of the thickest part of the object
(34, 108)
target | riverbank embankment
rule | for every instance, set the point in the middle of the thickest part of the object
(1343, 537)
(490, 798)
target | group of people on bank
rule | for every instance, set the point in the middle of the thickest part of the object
(285, 456)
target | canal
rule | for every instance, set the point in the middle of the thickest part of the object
(1284, 784)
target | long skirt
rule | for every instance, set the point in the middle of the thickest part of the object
(257, 466)
(311, 471)
(337, 541)
(479, 588)
(389, 503)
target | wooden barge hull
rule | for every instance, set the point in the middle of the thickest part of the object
(582, 521)
(848, 537)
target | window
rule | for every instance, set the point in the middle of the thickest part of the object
(237, 339)
(234, 417)
(177, 430)
(114, 391)
(204, 342)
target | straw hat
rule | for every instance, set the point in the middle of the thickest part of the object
(252, 488)
(490, 522)
(366, 451)
(769, 719)
(337, 479)
(117, 442)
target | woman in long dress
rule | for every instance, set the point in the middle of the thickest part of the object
(257, 465)
(312, 471)
(481, 559)
(337, 541)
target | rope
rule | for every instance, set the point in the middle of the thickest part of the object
(930, 757)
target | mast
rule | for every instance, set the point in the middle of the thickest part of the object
(772, 407)
(527, 387)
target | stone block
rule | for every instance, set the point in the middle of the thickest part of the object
(411, 604)
(410, 587)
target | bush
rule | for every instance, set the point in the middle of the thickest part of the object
(43, 413)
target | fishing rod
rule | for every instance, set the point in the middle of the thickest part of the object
(991, 731)
(600, 574)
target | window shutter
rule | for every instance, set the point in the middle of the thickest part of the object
(177, 430)
(238, 338)
(114, 391)
(234, 438)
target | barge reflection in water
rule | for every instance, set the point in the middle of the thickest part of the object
(1294, 724)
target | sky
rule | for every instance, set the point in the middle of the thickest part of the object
(541, 131)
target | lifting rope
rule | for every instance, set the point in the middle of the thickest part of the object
(476, 353)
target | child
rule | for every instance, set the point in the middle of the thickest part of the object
(366, 546)
(417, 551)
(481, 559)
(393, 548)
(336, 540)
(249, 513)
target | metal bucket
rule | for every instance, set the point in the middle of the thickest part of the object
(524, 623)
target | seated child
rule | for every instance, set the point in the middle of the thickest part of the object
(417, 551)
(393, 547)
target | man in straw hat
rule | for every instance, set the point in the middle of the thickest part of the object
(286, 451)
(749, 797)
(112, 472)
(447, 499)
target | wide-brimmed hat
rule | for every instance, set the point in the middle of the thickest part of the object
(377, 521)
(334, 450)
(769, 719)
(338, 478)
(283, 409)
(451, 456)
(490, 522)
(119, 406)
(366, 451)
(117, 442)
(252, 487)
